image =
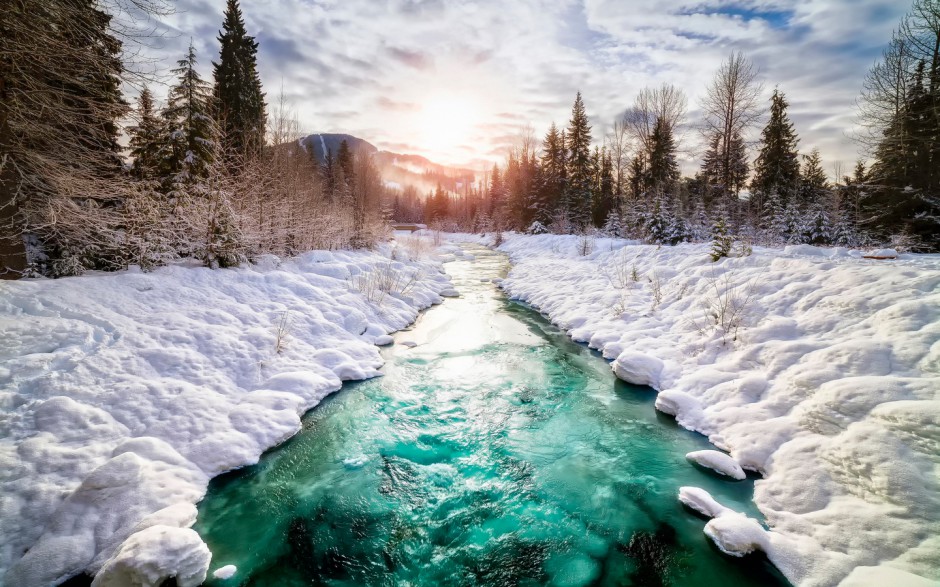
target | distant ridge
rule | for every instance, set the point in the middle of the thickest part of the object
(398, 169)
(321, 143)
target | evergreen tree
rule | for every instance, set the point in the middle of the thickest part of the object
(738, 169)
(552, 176)
(238, 100)
(814, 186)
(60, 100)
(95, 92)
(344, 159)
(663, 169)
(190, 130)
(777, 169)
(497, 197)
(905, 177)
(146, 138)
(437, 205)
(579, 166)
(710, 174)
(604, 186)
(721, 240)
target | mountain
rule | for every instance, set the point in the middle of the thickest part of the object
(398, 170)
(321, 143)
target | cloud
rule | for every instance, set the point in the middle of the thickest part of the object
(369, 68)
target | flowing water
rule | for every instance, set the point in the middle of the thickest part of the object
(495, 452)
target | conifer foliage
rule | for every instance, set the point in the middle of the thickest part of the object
(146, 138)
(238, 98)
(191, 131)
(579, 166)
(902, 109)
(776, 182)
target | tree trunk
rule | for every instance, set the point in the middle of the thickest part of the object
(12, 246)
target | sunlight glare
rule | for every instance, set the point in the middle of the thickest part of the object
(447, 121)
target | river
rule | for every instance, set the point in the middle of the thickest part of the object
(494, 452)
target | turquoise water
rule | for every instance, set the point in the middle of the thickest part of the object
(496, 452)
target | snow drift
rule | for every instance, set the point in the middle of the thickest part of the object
(815, 367)
(122, 394)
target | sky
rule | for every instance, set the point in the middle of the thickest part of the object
(457, 80)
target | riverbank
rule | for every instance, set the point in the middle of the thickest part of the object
(815, 367)
(123, 394)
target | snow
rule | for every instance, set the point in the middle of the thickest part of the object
(226, 572)
(123, 394)
(815, 367)
(718, 462)
(638, 368)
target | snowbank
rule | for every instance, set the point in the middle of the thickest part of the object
(815, 367)
(121, 395)
(718, 462)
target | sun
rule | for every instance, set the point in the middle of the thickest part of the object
(447, 122)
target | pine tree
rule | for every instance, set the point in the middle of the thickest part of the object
(238, 100)
(738, 169)
(579, 166)
(604, 187)
(344, 158)
(497, 200)
(146, 138)
(710, 173)
(60, 101)
(721, 240)
(777, 169)
(663, 169)
(905, 198)
(191, 132)
(552, 184)
(814, 185)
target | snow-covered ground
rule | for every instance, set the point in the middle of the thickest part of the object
(122, 394)
(815, 367)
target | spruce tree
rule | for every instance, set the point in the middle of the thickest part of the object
(60, 101)
(344, 158)
(777, 169)
(814, 185)
(905, 177)
(663, 167)
(721, 240)
(579, 166)
(604, 186)
(238, 100)
(189, 128)
(146, 138)
(552, 185)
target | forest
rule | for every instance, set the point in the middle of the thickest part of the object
(217, 174)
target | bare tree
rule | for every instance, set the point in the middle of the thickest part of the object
(667, 103)
(884, 91)
(619, 146)
(730, 108)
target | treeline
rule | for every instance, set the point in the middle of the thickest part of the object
(206, 178)
(766, 194)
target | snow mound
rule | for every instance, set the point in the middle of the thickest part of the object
(226, 572)
(813, 366)
(718, 462)
(638, 368)
(882, 254)
(155, 554)
(733, 532)
(123, 394)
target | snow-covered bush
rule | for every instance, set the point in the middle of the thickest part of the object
(726, 306)
(537, 228)
(385, 279)
(721, 240)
